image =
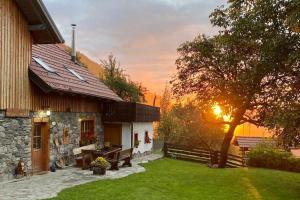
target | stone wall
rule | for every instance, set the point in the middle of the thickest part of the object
(15, 139)
(59, 121)
(15, 143)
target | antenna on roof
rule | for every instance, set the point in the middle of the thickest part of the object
(73, 53)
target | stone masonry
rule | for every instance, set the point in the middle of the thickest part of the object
(15, 139)
(15, 143)
(59, 121)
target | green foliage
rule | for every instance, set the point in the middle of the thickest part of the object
(100, 162)
(286, 122)
(267, 156)
(250, 66)
(293, 19)
(183, 124)
(116, 80)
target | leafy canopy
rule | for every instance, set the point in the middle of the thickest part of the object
(184, 124)
(116, 80)
(252, 64)
(248, 66)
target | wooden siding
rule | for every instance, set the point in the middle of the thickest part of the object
(17, 94)
(15, 57)
(63, 102)
(130, 112)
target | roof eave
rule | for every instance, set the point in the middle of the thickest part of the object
(40, 22)
(53, 26)
(46, 88)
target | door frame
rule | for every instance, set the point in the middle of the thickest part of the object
(46, 145)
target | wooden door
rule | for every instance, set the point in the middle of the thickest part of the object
(40, 147)
(113, 134)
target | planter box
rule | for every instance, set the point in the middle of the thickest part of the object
(99, 171)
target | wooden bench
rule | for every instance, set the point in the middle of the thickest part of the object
(79, 156)
(125, 155)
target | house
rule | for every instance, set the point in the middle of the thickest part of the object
(49, 103)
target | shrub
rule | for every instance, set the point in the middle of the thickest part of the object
(100, 162)
(267, 156)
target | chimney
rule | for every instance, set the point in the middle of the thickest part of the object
(73, 53)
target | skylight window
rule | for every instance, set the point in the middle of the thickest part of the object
(75, 74)
(44, 65)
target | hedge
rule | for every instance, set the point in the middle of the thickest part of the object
(268, 157)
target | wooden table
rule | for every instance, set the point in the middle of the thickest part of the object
(108, 153)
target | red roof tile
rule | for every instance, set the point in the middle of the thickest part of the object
(63, 80)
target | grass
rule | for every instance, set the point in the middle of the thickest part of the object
(169, 179)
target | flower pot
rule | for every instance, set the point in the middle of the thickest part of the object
(99, 171)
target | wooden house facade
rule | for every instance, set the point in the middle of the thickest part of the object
(50, 104)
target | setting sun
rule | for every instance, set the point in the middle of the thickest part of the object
(217, 110)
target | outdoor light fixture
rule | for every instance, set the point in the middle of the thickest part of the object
(48, 112)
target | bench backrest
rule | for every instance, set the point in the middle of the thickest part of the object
(77, 151)
(125, 153)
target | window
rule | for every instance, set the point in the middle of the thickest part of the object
(44, 65)
(147, 138)
(75, 74)
(87, 135)
(37, 136)
(66, 136)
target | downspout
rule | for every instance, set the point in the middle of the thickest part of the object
(131, 135)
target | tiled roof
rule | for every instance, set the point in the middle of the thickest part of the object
(250, 142)
(63, 80)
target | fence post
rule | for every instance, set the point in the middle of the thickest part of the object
(165, 149)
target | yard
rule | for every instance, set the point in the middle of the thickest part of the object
(179, 180)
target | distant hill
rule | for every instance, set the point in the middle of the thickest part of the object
(97, 69)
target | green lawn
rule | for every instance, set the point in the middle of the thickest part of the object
(168, 179)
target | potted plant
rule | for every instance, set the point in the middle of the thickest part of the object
(99, 166)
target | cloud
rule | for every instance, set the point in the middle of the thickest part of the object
(143, 34)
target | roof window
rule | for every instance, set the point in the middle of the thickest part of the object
(44, 65)
(75, 74)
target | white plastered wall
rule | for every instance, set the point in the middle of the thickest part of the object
(140, 128)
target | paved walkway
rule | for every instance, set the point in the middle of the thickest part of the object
(48, 185)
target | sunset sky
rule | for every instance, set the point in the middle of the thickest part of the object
(142, 34)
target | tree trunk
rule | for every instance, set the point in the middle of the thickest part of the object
(226, 144)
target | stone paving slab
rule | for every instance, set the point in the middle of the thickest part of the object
(50, 184)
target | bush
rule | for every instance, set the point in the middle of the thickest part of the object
(266, 156)
(100, 162)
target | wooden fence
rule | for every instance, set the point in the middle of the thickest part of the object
(199, 155)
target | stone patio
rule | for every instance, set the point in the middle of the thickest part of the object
(48, 185)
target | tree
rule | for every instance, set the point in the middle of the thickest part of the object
(285, 119)
(165, 104)
(116, 80)
(293, 18)
(246, 68)
(183, 124)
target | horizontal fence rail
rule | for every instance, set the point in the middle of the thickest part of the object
(201, 155)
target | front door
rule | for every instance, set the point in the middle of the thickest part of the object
(40, 152)
(113, 134)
